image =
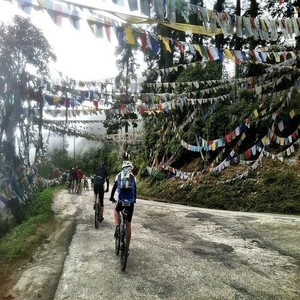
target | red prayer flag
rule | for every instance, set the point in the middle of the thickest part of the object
(108, 32)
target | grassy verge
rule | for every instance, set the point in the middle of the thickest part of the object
(24, 238)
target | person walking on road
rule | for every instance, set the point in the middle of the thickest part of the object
(101, 179)
(125, 182)
(78, 177)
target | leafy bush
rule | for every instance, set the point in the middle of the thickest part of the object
(41, 205)
(24, 237)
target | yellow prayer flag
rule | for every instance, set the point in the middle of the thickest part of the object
(228, 54)
(255, 113)
(281, 141)
(56, 99)
(129, 36)
(277, 57)
(292, 113)
(263, 25)
(196, 46)
(213, 146)
(201, 30)
(167, 44)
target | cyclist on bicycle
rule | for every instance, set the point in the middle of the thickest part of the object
(85, 183)
(72, 179)
(127, 189)
(100, 178)
(69, 179)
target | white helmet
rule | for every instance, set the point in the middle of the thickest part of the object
(126, 164)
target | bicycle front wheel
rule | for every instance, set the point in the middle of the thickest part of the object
(97, 213)
(124, 249)
(117, 244)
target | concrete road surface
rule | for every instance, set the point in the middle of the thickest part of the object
(177, 252)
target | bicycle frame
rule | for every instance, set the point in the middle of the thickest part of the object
(86, 185)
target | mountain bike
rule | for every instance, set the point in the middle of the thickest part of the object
(85, 185)
(122, 239)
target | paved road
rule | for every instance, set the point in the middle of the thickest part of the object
(177, 252)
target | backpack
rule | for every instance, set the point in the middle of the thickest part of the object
(125, 183)
(98, 180)
(100, 177)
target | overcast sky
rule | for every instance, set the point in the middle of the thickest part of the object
(80, 54)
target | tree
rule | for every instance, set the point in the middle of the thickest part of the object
(24, 56)
(127, 66)
(283, 10)
(123, 113)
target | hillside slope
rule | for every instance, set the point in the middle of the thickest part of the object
(273, 187)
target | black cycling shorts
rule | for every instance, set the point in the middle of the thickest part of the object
(130, 209)
(98, 189)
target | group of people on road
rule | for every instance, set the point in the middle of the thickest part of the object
(124, 183)
(74, 179)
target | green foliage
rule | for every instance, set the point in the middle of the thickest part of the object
(26, 236)
(115, 120)
(239, 109)
(89, 159)
(274, 190)
(24, 57)
(139, 161)
(114, 161)
(159, 134)
(40, 206)
(59, 160)
(248, 96)
(107, 153)
(13, 246)
(209, 71)
(126, 62)
(112, 156)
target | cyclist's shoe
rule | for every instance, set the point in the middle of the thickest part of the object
(117, 231)
(112, 199)
(101, 219)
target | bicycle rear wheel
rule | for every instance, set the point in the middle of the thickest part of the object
(124, 249)
(97, 213)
